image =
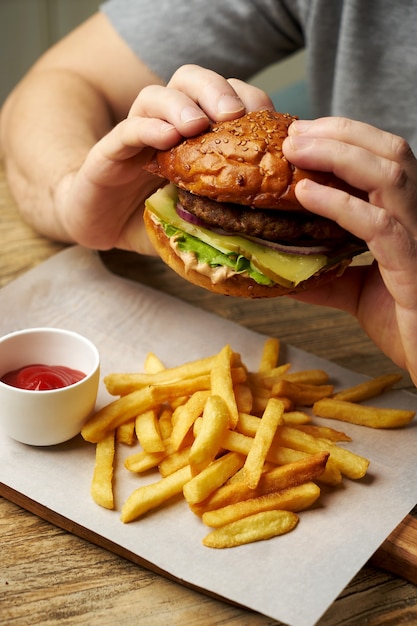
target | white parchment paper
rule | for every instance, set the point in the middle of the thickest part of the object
(293, 578)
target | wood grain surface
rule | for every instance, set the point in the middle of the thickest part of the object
(50, 576)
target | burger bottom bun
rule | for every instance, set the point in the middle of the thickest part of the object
(237, 285)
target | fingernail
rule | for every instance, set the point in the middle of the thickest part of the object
(230, 104)
(300, 126)
(191, 114)
(299, 143)
(308, 184)
(166, 127)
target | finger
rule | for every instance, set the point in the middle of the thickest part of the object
(252, 97)
(381, 231)
(387, 182)
(133, 135)
(187, 115)
(362, 135)
(221, 98)
(172, 106)
(392, 181)
(135, 237)
(330, 155)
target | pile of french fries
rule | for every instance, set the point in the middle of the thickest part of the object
(239, 446)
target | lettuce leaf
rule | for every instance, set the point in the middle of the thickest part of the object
(213, 257)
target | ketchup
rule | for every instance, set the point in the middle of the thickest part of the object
(39, 377)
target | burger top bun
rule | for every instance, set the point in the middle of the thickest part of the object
(239, 161)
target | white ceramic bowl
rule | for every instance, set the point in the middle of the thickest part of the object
(47, 417)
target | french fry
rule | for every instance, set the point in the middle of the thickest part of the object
(165, 423)
(264, 436)
(294, 473)
(176, 402)
(198, 425)
(148, 433)
(323, 432)
(368, 389)
(101, 489)
(229, 493)
(292, 499)
(237, 442)
(129, 406)
(270, 354)
(305, 469)
(308, 377)
(222, 382)
(234, 443)
(121, 384)
(301, 393)
(277, 372)
(185, 416)
(175, 461)
(214, 475)
(236, 478)
(373, 417)
(125, 433)
(351, 465)
(119, 412)
(296, 417)
(244, 397)
(279, 455)
(260, 400)
(186, 387)
(257, 527)
(153, 364)
(267, 379)
(248, 424)
(151, 496)
(143, 461)
(207, 443)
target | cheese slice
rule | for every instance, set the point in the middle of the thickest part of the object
(282, 268)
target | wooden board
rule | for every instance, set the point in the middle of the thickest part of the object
(85, 533)
(398, 553)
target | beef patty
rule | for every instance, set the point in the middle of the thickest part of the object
(271, 225)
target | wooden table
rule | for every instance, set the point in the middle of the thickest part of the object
(50, 576)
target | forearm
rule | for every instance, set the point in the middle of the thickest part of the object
(48, 125)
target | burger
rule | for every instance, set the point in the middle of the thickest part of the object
(227, 218)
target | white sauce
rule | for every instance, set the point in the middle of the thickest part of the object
(216, 274)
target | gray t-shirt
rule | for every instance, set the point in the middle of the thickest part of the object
(362, 54)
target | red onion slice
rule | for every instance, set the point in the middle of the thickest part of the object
(189, 217)
(298, 249)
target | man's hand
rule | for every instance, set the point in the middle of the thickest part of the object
(383, 296)
(103, 201)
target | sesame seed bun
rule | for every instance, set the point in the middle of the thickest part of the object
(239, 167)
(240, 161)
